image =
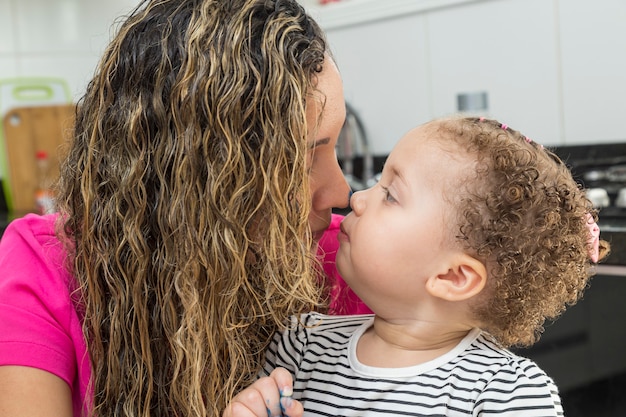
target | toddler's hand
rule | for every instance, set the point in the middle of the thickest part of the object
(267, 397)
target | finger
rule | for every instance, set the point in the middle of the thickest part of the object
(248, 403)
(283, 381)
(238, 409)
(291, 407)
(263, 397)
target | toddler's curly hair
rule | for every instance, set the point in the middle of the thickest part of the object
(523, 215)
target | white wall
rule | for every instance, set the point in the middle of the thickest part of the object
(56, 38)
(554, 69)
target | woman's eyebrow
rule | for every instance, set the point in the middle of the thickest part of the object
(319, 142)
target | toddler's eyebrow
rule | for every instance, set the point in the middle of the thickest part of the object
(397, 173)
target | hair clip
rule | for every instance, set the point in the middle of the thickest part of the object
(503, 126)
(481, 119)
(593, 240)
(529, 140)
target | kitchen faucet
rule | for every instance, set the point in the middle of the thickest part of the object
(352, 143)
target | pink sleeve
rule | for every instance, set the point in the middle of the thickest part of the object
(343, 300)
(39, 326)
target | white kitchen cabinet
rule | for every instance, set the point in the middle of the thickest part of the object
(593, 50)
(508, 49)
(385, 72)
(553, 69)
(402, 71)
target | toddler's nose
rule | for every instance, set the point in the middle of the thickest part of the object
(357, 201)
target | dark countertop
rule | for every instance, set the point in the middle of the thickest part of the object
(5, 219)
(5, 216)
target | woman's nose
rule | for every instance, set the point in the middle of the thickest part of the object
(331, 189)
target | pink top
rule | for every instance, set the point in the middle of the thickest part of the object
(39, 325)
(343, 300)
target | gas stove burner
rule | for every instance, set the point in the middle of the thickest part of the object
(594, 175)
(599, 197)
(620, 200)
(601, 170)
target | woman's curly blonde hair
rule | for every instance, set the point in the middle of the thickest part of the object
(523, 214)
(185, 198)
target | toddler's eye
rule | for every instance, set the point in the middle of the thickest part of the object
(388, 197)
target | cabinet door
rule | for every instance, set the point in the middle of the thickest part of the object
(606, 297)
(384, 68)
(508, 49)
(564, 342)
(593, 48)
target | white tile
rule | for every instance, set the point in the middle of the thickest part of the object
(8, 70)
(45, 26)
(102, 19)
(76, 70)
(48, 26)
(7, 41)
(8, 66)
(61, 38)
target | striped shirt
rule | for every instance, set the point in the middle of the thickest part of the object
(476, 378)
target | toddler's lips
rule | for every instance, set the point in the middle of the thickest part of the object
(342, 236)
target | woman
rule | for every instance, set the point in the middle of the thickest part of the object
(201, 173)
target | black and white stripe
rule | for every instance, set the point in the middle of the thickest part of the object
(477, 378)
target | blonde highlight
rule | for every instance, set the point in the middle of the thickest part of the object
(186, 201)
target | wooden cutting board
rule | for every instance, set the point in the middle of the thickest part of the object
(28, 130)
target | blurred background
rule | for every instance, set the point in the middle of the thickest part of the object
(554, 69)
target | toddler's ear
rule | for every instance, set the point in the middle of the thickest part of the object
(466, 278)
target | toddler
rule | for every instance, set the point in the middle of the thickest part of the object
(474, 236)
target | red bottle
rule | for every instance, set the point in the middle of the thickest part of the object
(44, 201)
